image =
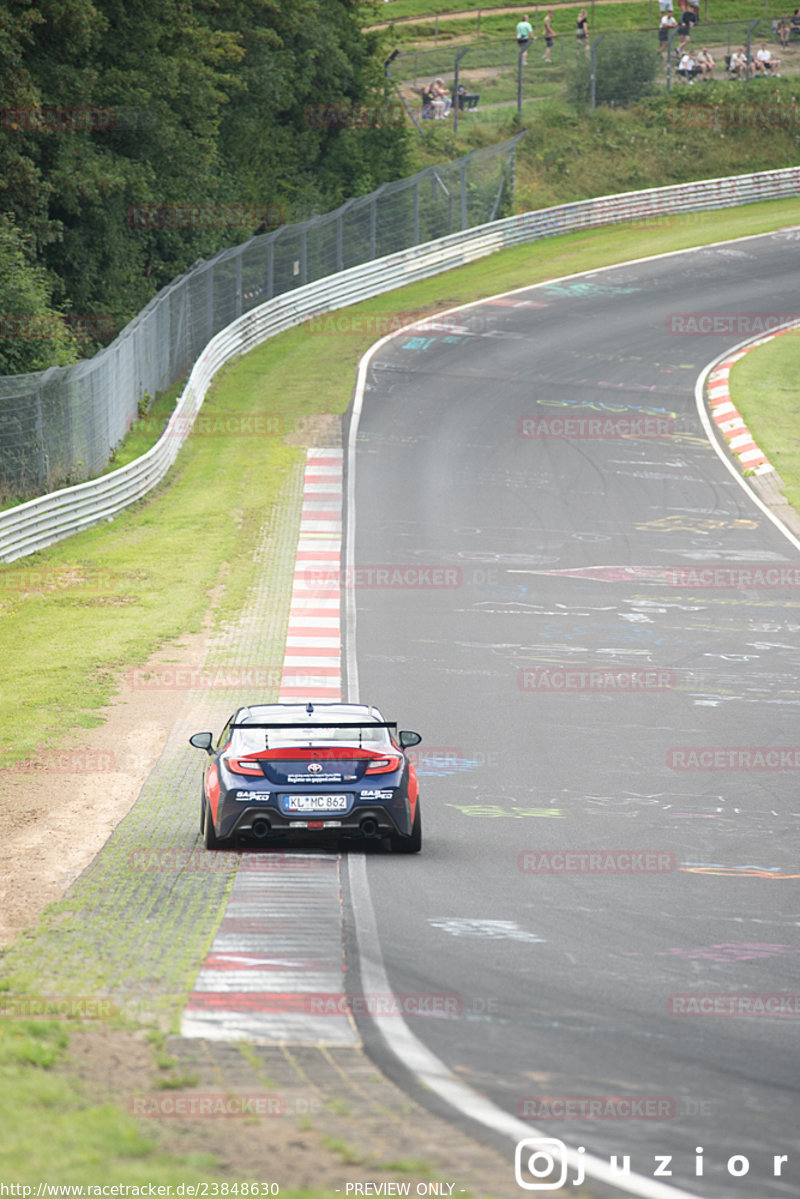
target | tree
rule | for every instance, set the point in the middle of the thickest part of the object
(625, 71)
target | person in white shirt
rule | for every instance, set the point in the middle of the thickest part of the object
(765, 62)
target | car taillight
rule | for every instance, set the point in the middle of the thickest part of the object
(243, 766)
(383, 765)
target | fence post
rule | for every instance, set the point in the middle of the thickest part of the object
(238, 285)
(750, 28)
(455, 88)
(209, 308)
(373, 228)
(416, 212)
(519, 83)
(339, 243)
(593, 70)
(463, 194)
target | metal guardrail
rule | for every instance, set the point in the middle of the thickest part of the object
(48, 519)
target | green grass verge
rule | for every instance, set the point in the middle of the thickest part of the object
(51, 1133)
(459, 17)
(765, 391)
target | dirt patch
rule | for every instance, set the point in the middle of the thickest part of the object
(333, 1119)
(60, 808)
(323, 431)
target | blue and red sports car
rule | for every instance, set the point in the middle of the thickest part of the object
(307, 771)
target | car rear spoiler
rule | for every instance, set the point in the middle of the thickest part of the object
(330, 724)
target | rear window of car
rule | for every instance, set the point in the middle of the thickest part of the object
(252, 740)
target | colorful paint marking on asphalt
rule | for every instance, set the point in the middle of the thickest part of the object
(278, 951)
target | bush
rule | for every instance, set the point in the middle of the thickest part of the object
(625, 72)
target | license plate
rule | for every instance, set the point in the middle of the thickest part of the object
(314, 803)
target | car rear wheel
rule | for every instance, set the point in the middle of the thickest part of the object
(412, 844)
(210, 837)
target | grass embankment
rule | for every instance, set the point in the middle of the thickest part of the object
(83, 612)
(477, 20)
(567, 155)
(764, 387)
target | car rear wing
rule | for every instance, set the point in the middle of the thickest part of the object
(329, 724)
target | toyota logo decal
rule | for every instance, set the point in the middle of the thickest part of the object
(315, 767)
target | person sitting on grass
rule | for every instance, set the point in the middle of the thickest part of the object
(686, 67)
(706, 63)
(765, 63)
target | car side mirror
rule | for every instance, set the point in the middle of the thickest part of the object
(407, 738)
(202, 741)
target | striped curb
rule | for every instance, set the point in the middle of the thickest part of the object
(275, 968)
(726, 417)
(312, 666)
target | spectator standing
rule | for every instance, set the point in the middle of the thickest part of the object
(583, 28)
(549, 34)
(689, 18)
(665, 27)
(524, 31)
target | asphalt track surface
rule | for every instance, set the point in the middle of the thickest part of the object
(563, 981)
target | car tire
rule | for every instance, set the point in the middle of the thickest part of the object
(412, 844)
(202, 812)
(210, 838)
